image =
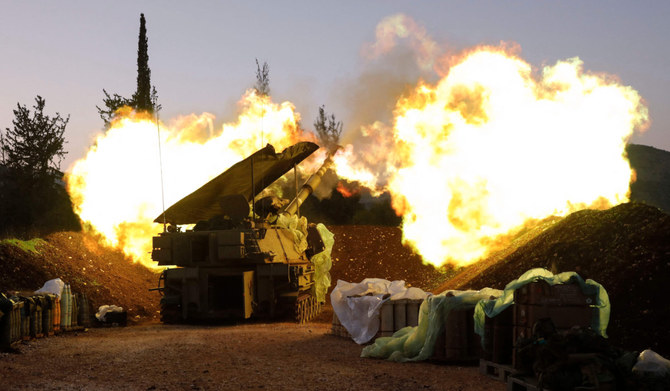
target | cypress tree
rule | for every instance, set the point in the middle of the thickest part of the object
(142, 97)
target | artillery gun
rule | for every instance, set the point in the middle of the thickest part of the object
(233, 264)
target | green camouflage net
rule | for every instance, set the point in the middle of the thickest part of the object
(416, 343)
(322, 264)
(601, 315)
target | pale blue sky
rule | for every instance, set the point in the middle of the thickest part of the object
(202, 53)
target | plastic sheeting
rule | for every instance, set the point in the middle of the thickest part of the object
(492, 308)
(418, 343)
(321, 261)
(54, 286)
(104, 309)
(322, 264)
(298, 227)
(652, 362)
(357, 304)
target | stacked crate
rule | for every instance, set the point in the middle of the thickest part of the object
(338, 329)
(393, 316)
(564, 304)
(497, 348)
(498, 330)
(458, 342)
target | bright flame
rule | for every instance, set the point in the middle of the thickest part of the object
(492, 146)
(116, 188)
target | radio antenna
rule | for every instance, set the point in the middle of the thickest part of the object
(160, 162)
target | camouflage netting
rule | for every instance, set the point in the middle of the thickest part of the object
(418, 343)
(601, 315)
(322, 261)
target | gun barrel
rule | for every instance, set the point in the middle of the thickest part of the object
(308, 187)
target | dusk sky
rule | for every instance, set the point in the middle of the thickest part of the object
(202, 54)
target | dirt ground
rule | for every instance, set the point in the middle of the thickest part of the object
(261, 356)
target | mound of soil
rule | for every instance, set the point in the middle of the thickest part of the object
(104, 274)
(626, 249)
(366, 251)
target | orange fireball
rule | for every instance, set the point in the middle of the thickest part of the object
(493, 145)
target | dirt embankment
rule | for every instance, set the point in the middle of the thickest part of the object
(104, 274)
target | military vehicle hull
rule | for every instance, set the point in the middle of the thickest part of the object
(230, 265)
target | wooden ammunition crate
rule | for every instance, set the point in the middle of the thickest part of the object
(338, 329)
(498, 337)
(564, 304)
(458, 342)
(542, 293)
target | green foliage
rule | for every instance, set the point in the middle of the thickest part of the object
(112, 103)
(262, 86)
(328, 130)
(34, 145)
(32, 194)
(31, 245)
(143, 96)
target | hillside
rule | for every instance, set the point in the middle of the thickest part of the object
(652, 166)
(104, 274)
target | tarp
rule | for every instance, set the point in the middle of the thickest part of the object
(54, 286)
(268, 166)
(357, 304)
(491, 308)
(322, 264)
(416, 343)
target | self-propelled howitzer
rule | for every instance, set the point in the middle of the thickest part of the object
(233, 264)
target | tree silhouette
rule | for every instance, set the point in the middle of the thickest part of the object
(142, 97)
(262, 86)
(33, 196)
(327, 129)
(145, 98)
(35, 144)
